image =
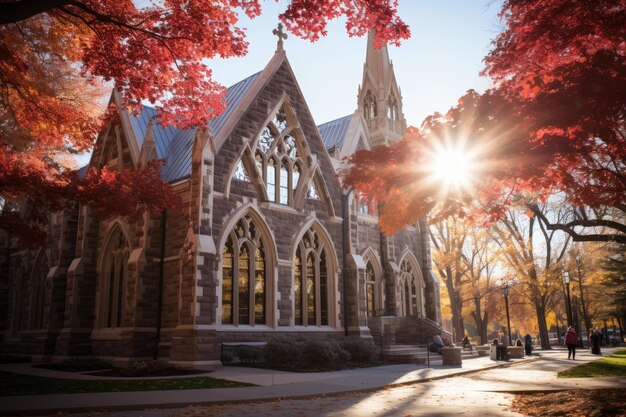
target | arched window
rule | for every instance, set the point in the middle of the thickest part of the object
(392, 107)
(38, 293)
(244, 289)
(311, 282)
(370, 106)
(370, 290)
(278, 142)
(409, 290)
(18, 301)
(113, 280)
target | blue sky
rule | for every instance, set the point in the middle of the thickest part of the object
(442, 60)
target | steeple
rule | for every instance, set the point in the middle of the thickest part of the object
(379, 97)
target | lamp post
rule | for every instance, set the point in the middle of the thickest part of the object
(569, 302)
(505, 291)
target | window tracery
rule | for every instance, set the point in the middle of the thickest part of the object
(37, 303)
(410, 297)
(311, 282)
(240, 172)
(370, 290)
(244, 276)
(113, 280)
(370, 106)
(279, 159)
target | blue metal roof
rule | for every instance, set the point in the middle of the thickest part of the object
(82, 171)
(174, 145)
(334, 132)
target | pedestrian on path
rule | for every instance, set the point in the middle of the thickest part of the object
(528, 344)
(595, 342)
(571, 339)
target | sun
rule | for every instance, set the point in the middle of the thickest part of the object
(454, 167)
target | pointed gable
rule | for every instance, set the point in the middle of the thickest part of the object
(172, 144)
(275, 87)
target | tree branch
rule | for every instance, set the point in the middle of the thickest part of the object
(578, 237)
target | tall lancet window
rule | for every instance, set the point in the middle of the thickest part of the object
(370, 290)
(369, 105)
(244, 276)
(38, 293)
(392, 107)
(113, 280)
(278, 158)
(408, 288)
(311, 283)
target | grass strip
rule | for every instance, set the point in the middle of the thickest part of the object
(16, 384)
(614, 365)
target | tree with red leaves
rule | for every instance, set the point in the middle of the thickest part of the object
(56, 55)
(554, 123)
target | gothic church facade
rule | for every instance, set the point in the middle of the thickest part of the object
(266, 242)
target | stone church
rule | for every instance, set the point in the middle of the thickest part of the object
(266, 242)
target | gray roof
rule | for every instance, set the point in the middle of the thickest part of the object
(174, 145)
(334, 132)
(82, 171)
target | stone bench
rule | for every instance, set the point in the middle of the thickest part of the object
(515, 352)
(482, 350)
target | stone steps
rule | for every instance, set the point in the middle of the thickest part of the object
(407, 354)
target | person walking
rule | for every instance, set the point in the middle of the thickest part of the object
(571, 339)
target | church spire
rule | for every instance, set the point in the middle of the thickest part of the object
(379, 97)
(377, 60)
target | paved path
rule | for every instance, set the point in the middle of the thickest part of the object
(396, 390)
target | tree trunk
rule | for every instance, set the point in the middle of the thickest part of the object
(480, 320)
(456, 305)
(457, 320)
(543, 326)
(481, 326)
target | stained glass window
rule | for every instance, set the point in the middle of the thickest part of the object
(311, 284)
(244, 288)
(278, 141)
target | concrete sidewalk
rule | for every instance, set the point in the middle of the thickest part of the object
(278, 385)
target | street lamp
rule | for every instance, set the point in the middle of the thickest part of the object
(505, 291)
(569, 301)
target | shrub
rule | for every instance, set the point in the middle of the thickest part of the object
(324, 353)
(282, 351)
(360, 350)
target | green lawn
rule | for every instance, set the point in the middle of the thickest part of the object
(16, 384)
(614, 365)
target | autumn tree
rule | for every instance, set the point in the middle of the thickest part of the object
(533, 260)
(448, 238)
(481, 259)
(613, 285)
(56, 56)
(552, 124)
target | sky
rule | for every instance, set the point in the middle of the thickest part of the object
(436, 66)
